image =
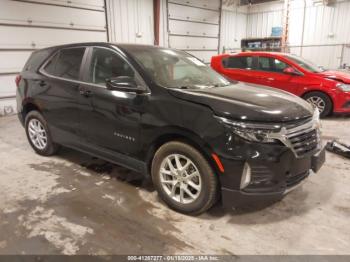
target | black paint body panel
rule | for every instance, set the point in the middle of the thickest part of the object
(125, 128)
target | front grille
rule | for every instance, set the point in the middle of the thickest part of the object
(293, 180)
(304, 143)
(302, 138)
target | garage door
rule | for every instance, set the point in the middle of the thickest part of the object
(194, 26)
(28, 25)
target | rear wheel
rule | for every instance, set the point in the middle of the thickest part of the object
(38, 134)
(321, 101)
(183, 178)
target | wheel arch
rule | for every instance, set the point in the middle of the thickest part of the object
(320, 91)
(28, 107)
(182, 135)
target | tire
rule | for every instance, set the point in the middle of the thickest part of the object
(318, 98)
(34, 121)
(191, 160)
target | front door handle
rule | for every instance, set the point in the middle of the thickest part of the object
(271, 79)
(86, 93)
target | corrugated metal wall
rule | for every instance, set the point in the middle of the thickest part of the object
(130, 21)
(194, 26)
(28, 25)
(233, 24)
(322, 30)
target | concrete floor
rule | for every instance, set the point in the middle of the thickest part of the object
(57, 206)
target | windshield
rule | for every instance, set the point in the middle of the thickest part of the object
(177, 69)
(309, 66)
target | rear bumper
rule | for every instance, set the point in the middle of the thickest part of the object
(271, 181)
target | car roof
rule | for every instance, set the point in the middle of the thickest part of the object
(258, 53)
(105, 44)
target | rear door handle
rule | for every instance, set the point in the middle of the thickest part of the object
(271, 79)
(41, 83)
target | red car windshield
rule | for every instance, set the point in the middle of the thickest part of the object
(305, 64)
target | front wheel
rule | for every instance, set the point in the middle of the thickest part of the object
(320, 101)
(183, 178)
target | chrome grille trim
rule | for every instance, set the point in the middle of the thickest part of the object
(302, 139)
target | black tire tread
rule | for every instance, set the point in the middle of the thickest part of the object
(52, 147)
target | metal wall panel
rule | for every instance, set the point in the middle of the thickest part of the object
(233, 29)
(7, 85)
(182, 12)
(131, 21)
(259, 24)
(12, 61)
(207, 4)
(84, 4)
(22, 13)
(29, 25)
(315, 26)
(193, 29)
(193, 42)
(23, 37)
(194, 26)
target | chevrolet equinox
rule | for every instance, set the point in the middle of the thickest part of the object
(166, 114)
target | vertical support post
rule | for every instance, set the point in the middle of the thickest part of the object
(285, 25)
(303, 30)
(156, 15)
(106, 18)
(220, 27)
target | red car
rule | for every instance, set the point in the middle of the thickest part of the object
(329, 91)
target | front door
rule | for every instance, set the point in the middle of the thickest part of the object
(109, 119)
(271, 72)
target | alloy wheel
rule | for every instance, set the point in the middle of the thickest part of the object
(37, 134)
(317, 102)
(180, 178)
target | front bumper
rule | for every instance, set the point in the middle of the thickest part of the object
(342, 102)
(271, 180)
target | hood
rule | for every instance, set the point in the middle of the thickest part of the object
(341, 76)
(248, 102)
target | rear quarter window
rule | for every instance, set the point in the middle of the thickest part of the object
(36, 59)
(66, 63)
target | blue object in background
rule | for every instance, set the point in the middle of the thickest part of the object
(276, 31)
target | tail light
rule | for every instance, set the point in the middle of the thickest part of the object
(17, 80)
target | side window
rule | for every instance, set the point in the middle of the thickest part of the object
(106, 64)
(265, 64)
(271, 64)
(279, 66)
(66, 63)
(238, 62)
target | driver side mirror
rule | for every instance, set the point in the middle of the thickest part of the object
(291, 71)
(122, 83)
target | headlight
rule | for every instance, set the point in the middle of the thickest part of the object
(344, 87)
(253, 132)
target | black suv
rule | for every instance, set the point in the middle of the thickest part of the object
(164, 113)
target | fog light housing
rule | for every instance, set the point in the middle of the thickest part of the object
(246, 176)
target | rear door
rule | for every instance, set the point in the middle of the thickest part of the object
(241, 68)
(59, 94)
